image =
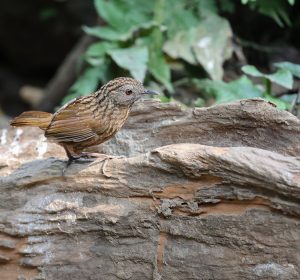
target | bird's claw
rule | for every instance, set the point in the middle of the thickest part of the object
(90, 156)
(105, 163)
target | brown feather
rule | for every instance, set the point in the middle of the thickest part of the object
(73, 122)
(33, 118)
(88, 120)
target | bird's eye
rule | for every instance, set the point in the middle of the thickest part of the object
(128, 92)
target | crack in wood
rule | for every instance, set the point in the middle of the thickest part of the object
(225, 207)
(187, 191)
(160, 251)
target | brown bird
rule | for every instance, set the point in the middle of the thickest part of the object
(89, 120)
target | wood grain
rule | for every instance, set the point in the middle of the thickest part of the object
(210, 193)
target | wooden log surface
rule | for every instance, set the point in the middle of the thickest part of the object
(207, 193)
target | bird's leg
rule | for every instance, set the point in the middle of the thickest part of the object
(69, 162)
(71, 158)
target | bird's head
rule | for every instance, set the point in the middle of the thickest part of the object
(125, 91)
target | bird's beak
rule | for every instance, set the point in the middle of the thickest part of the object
(150, 91)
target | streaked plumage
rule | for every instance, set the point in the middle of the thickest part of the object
(89, 120)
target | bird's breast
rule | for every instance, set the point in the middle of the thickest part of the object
(112, 122)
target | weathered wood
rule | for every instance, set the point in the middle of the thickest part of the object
(209, 193)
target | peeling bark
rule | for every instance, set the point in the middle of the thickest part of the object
(207, 193)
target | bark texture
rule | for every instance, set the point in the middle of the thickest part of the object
(209, 193)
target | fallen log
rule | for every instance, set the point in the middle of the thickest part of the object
(209, 193)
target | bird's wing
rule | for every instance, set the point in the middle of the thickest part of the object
(74, 122)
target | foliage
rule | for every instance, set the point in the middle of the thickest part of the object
(148, 41)
(293, 68)
(151, 40)
(225, 92)
(206, 44)
(276, 9)
(281, 77)
(245, 88)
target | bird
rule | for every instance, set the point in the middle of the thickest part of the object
(88, 120)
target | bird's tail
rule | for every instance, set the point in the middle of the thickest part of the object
(33, 118)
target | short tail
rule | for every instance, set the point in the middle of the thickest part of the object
(33, 118)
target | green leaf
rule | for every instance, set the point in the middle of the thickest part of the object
(199, 102)
(238, 89)
(162, 98)
(275, 9)
(206, 7)
(86, 84)
(281, 77)
(252, 71)
(134, 59)
(292, 67)
(225, 92)
(280, 104)
(95, 55)
(179, 17)
(112, 12)
(180, 46)
(99, 49)
(109, 33)
(208, 45)
(159, 68)
(123, 15)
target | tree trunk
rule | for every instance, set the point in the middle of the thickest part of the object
(210, 193)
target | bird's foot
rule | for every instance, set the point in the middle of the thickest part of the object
(104, 158)
(86, 156)
(83, 157)
(69, 162)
